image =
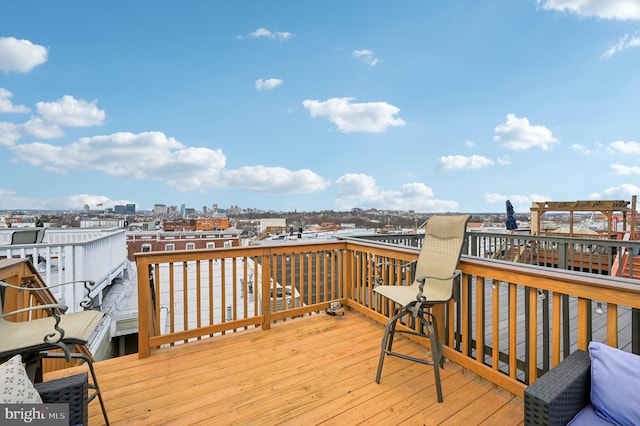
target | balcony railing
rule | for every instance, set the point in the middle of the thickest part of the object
(595, 255)
(509, 322)
(71, 255)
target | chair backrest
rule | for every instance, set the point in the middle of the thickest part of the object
(25, 236)
(440, 253)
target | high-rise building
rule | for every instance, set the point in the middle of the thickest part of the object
(160, 209)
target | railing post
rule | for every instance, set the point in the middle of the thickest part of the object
(347, 275)
(144, 308)
(266, 289)
(563, 255)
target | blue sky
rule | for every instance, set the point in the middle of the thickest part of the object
(433, 106)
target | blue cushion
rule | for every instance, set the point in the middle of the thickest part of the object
(615, 384)
(588, 417)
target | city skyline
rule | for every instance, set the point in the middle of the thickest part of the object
(428, 106)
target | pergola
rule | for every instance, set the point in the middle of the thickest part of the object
(606, 207)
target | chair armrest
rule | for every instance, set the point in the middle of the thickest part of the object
(86, 303)
(52, 307)
(423, 279)
(556, 397)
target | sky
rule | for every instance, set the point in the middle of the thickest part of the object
(432, 106)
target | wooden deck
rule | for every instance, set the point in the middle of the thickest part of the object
(312, 370)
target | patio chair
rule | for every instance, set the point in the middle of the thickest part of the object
(42, 337)
(436, 271)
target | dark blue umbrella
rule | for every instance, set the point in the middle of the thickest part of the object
(511, 221)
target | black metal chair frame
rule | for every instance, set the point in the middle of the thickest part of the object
(33, 356)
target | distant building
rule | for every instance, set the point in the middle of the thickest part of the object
(130, 209)
(160, 209)
(102, 223)
(118, 209)
(141, 241)
(272, 226)
(200, 224)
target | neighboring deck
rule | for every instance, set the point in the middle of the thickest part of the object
(312, 370)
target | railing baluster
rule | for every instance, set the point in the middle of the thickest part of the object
(479, 314)
(495, 322)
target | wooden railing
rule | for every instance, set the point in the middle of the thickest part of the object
(509, 322)
(595, 255)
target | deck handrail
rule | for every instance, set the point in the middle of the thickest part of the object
(588, 254)
(510, 323)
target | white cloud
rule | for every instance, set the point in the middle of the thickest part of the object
(605, 9)
(460, 162)
(619, 169)
(166, 159)
(274, 179)
(503, 161)
(366, 56)
(265, 33)
(20, 55)
(360, 190)
(622, 147)
(620, 192)
(42, 129)
(371, 117)
(119, 154)
(469, 143)
(71, 112)
(7, 106)
(580, 148)
(517, 134)
(9, 133)
(78, 201)
(268, 84)
(11, 200)
(624, 43)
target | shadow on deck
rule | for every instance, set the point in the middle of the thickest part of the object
(311, 370)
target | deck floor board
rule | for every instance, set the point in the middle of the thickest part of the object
(313, 370)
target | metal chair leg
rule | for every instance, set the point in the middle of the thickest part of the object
(437, 358)
(94, 378)
(96, 387)
(387, 341)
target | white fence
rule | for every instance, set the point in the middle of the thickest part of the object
(71, 255)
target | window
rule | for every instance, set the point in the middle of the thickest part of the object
(146, 248)
(191, 246)
(211, 245)
(169, 247)
(228, 244)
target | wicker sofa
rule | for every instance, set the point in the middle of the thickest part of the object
(598, 387)
(72, 390)
(560, 394)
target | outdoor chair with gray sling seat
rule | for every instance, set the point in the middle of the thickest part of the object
(39, 337)
(435, 273)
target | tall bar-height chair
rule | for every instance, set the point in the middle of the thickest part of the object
(39, 336)
(435, 274)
